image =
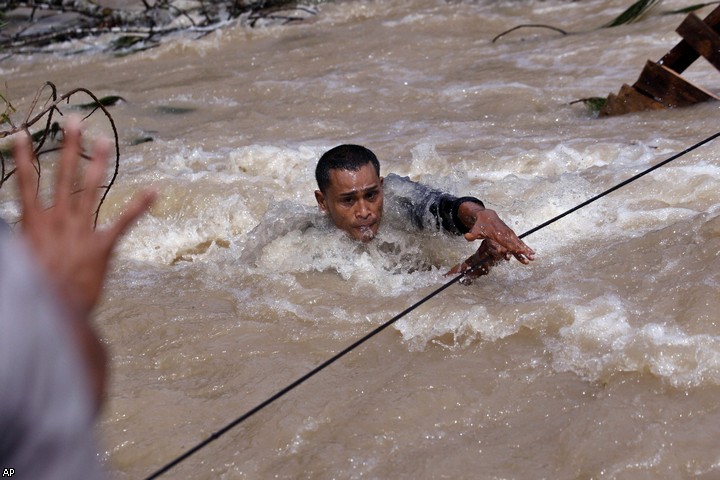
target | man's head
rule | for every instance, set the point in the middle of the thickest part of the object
(350, 190)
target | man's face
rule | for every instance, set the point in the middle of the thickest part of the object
(354, 201)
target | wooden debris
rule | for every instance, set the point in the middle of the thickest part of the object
(660, 84)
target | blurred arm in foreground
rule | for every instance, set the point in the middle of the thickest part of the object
(52, 364)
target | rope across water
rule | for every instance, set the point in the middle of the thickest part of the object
(400, 315)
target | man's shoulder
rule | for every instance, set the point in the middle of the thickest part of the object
(393, 181)
(394, 177)
(403, 186)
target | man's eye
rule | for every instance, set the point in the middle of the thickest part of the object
(347, 201)
(371, 196)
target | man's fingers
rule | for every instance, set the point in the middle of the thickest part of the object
(512, 245)
(521, 258)
(94, 176)
(137, 207)
(27, 178)
(67, 168)
(456, 269)
(526, 252)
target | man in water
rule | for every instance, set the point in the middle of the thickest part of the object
(352, 193)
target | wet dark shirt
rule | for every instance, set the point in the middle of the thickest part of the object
(426, 208)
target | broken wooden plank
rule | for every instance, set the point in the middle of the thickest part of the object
(701, 38)
(660, 84)
(669, 88)
(628, 100)
(683, 55)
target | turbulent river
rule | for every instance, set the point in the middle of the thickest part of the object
(601, 359)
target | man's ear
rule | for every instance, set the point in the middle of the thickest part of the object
(320, 200)
(382, 181)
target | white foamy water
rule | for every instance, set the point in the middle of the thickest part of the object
(601, 359)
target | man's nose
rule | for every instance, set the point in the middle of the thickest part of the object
(362, 209)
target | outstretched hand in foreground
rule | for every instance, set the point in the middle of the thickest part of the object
(63, 241)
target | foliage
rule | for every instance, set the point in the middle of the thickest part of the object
(108, 101)
(136, 29)
(133, 30)
(633, 13)
(594, 104)
(7, 111)
(689, 9)
(45, 139)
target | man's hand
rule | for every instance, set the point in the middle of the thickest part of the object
(480, 262)
(499, 242)
(485, 224)
(62, 238)
(73, 254)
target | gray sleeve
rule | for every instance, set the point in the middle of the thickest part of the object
(423, 206)
(46, 409)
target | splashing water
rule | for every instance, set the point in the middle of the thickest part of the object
(600, 359)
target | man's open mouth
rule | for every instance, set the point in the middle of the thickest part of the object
(366, 232)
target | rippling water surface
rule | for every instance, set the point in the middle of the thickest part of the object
(599, 360)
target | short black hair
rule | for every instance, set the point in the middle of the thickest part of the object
(344, 157)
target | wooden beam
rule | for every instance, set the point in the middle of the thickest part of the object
(683, 55)
(669, 88)
(628, 100)
(701, 38)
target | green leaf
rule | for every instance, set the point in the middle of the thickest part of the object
(595, 104)
(689, 9)
(108, 101)
(140, 140)
(126, 41)
(52, 133)
(167, 109)
(9, 110)
(633, 13)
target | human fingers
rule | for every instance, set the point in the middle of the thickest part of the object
(27, 179)
(523, 253)
(486, 256)
(489, 226)
(512, 244)
(521, 258)
(460, 267)
(508, 247)
(471, 236)
(470, 271)
(94, 175)
(69, 158)
(529, 253)
(139, 205)
(478, 267)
